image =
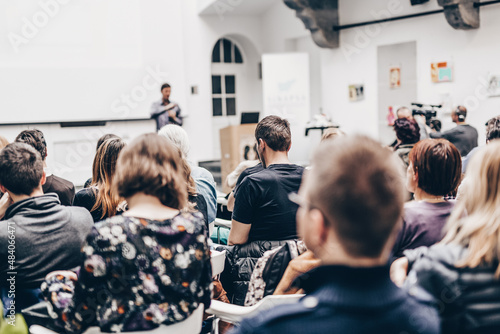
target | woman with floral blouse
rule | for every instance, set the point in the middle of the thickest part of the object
(148, 267)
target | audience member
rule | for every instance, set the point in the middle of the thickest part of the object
(38, 234)
(350, 203)
(148, 267)
(100, 198)
(164, 111)
(407, 134)
(101, 140)
(434, 171)
(462, 272)
(405, 112)
(205, 183)
(492, 133)
(262, 210)
(463, 136)
(251, 169)
(54, 184)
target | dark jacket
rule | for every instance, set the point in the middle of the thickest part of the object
(45, 236)
(63, 188)
(347, 300)
(240, 263)
(468, 298)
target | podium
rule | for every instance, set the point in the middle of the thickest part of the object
(233, 141)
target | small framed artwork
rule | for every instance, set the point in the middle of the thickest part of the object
(494, 84)
(395, 77)
(441, 72)
(356, 93)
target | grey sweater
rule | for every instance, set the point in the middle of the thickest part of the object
(43, 236)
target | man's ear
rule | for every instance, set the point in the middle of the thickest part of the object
(3, 189)
(43, 179)
(262, 144)
(46, 153)
(318, 226)
(289, 146)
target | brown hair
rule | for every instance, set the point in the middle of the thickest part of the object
(438, 164)
(34, 138)
(275, 132)
(3, 142)
(358, 188)
(407, 130)
(103, 170)
(493, 129)
(332, 133)
(21, 168)
(152, 165)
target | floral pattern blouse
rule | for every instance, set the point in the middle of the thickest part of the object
(135, 275)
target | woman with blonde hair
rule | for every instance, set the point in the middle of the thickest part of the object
(461, 274)
(100, 198)
(147, 267)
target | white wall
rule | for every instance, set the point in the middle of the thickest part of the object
(474, 53)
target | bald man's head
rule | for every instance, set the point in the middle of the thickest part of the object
(404, 112)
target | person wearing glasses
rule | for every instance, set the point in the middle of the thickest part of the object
(350, 203)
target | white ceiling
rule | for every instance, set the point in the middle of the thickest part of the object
(235, 7)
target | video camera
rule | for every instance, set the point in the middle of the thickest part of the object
(427, 110)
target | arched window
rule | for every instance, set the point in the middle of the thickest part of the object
(226, 52)
(225, 55)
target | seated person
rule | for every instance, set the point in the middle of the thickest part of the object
(204, 180)
(101, 140)
(42, 234)
(100, 197)
(147, 267)
(434, 171)
(262, 210)
(54, 184)
(350, 203)
(462, 272)
(407, 134)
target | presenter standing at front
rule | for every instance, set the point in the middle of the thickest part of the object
(164, 111)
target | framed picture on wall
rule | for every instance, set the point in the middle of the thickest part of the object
(441, 72)
(395, 77)
(356, 92)
(494, 84)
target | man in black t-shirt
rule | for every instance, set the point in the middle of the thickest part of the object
(262, 210)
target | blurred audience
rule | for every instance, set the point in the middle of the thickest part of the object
(350, 203)
(3, 142)
(147, 267)
(101, 140)
(461, 274)
(492, 133)
(64, 189)
(100, 199)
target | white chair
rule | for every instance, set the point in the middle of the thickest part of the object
(218, 260)
(192, 325)
(235, 313)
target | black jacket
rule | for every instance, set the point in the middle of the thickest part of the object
(468, 298)
(240, 262)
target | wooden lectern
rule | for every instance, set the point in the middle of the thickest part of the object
(233, 141)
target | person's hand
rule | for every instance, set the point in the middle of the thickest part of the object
(5, 202)
(399, 271)
(63, 273)
(172, 114)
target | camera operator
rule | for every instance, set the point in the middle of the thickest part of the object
(463, 136)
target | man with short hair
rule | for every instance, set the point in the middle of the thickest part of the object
(350, 203)
(164, 111)
(463, 136)
(54, 184)
(262, 210)
(37, 235)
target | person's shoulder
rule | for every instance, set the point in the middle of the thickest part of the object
(60, 183)
(85, 193)
(79, 215)
(277, 318)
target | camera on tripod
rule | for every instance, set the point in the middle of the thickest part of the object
(427, 110)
